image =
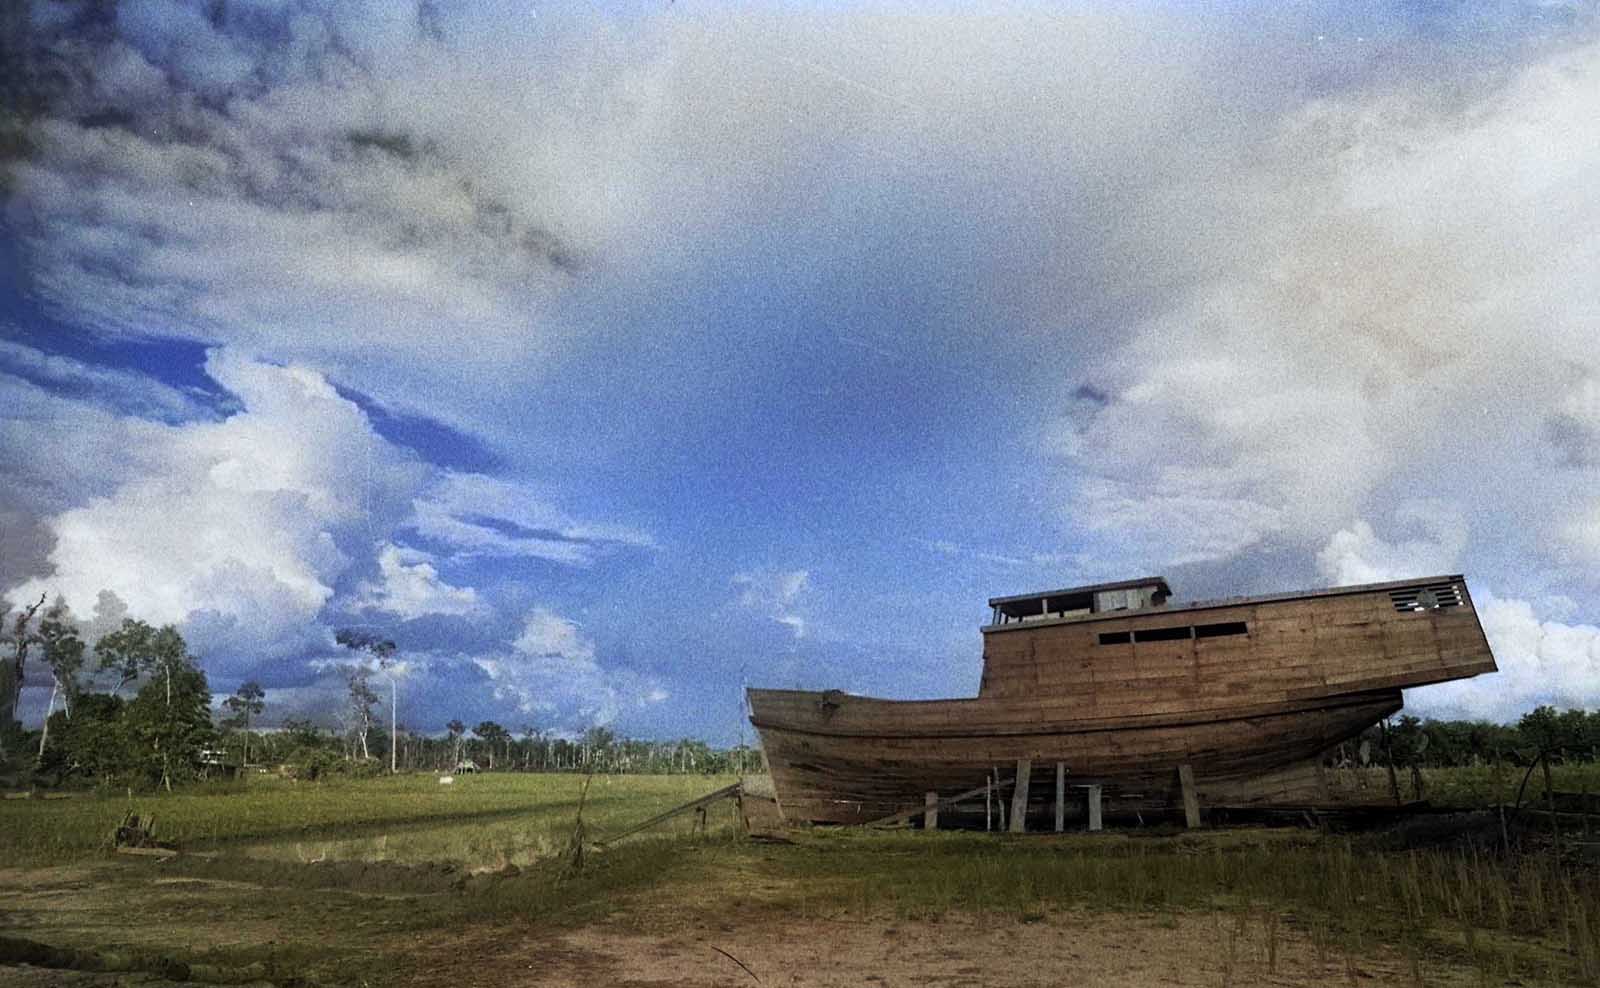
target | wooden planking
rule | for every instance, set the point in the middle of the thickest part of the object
(1053, 693)
(848, 780)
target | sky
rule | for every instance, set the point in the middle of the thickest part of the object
(611, 360)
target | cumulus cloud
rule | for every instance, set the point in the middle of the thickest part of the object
(238, 520)
(1358, 555)
(777, 595)
(1392, 310)
(242, 530)
(1541, 661)
(409, 586)
(551, 670)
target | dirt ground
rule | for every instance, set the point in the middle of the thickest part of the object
(1079, 948)
(1097, 950)
(143, 907)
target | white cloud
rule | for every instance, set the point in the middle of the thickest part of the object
(1358, 555)
(546, 634)
(777, 595)
(237, 522)
(1541, 661)
(1391, 304)
(409, 586)
(552, 670)
(435, 194)
(240, 530)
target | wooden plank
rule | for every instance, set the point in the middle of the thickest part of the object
(726, 792)
(902, 817)
(930, 811)
(1019, 797)
(1061, 796)
(1094, 808)
(1191, 804)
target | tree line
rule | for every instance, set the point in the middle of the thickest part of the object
(135, 709)
(1561, 735)
(150, 728)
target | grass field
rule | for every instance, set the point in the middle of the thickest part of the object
(295, 888)
(478, 821)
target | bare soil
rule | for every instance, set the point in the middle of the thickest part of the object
(1075, 948)
(350, 936)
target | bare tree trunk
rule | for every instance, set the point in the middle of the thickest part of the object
(44, 734)
(394, 731)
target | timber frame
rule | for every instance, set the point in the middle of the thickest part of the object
(1122, 687)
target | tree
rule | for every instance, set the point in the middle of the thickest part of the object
(492, 734)
(135, 649)
(597, 744)
(383, 650)
(63, 652)
(456, 729)
(361, 700)
(532, 738)
(247, 701)
(21, 637)
(94, 743)
(169, 719)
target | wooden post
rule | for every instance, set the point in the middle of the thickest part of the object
(988, 803)
(1550, 803)
(1094, 808)
(1191, 804)
(1061, 796)
(1388, 756)
(930, 812)
(1019, 797)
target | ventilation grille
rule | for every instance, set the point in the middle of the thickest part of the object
(1427, 598)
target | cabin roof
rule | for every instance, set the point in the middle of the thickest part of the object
(1159, 582)
(1200, 605)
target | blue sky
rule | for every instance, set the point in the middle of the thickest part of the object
(611, 362)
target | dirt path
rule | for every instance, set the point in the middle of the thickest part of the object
(1077, 948)
(349, 938)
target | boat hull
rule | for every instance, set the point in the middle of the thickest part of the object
(1241, 690)
(828, 777)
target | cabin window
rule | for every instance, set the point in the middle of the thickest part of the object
(1115, 638)
(1163, 634)
(1221, 629)
(1118, 600)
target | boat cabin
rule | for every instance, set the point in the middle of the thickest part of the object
(1098, 598)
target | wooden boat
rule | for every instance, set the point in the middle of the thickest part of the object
(1123, 687)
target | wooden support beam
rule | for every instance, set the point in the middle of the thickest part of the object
(726, 792)
(1061, 796)
(1191, 803)
(1019, 797)
(930, 811)
(895, 819)
(1094, 808)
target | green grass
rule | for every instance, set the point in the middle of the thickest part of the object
(1523, 917)
(479, 821)
(1508, 919)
